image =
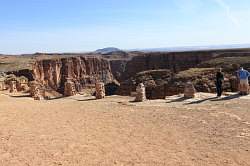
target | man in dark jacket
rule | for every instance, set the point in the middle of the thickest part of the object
(219, 82)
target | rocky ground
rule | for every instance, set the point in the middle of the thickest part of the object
(115, 131)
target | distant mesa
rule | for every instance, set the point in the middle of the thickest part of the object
(108, 50)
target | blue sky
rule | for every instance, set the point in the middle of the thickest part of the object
(28, 26)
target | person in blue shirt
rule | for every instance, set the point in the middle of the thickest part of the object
(243, 76)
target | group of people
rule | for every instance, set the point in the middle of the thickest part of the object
(242, 76)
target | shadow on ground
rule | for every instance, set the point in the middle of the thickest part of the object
(21, 96)
(201, 101)
(235, 96)
(89, 99)
(181, 99)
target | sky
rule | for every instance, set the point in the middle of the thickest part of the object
(29, 26)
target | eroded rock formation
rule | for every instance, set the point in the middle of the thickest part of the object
(154, 61)
(83, 71)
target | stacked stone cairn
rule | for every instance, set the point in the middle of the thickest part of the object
(36, 91)
(2, 86)
(37, 94)
(69, 88)
(234, 82)
(189, 91)
(100, 90)
(22, 84)
(140, 93)
(13, 88)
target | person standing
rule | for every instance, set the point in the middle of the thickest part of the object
(243, 76)
(219, 82)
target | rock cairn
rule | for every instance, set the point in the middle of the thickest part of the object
(2, 86)
(13, 88)
(189, 91)
(33, 85)
(22, 84)
(234, 83)
(36, 90)
(37, 94)
(100, 90)
(140, 93)
(69, 88)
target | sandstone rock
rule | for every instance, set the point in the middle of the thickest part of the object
(84, 71)
(69, 88)
(140, 93)
(189, 91)
(100, 90)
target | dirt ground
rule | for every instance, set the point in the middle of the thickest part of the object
(114, 131)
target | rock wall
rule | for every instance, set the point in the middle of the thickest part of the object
(154, 61)
(83, 71)
(163, 69)
(162, 83)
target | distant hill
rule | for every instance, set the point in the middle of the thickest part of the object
(108, 50)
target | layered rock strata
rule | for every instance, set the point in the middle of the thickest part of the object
(83, 71)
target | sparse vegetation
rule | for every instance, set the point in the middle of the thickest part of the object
(194, 72)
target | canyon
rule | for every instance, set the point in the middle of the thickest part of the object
(163, 73)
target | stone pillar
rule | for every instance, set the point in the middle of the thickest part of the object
(2, 86)
(69, 88)
(189, 91)
(13, 88)
(37, 94)
(100, 90)
(140, 93)
(234, 82)
(33, 86)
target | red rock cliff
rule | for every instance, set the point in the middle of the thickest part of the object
(83, 71)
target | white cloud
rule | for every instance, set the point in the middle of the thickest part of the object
(228, 12)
